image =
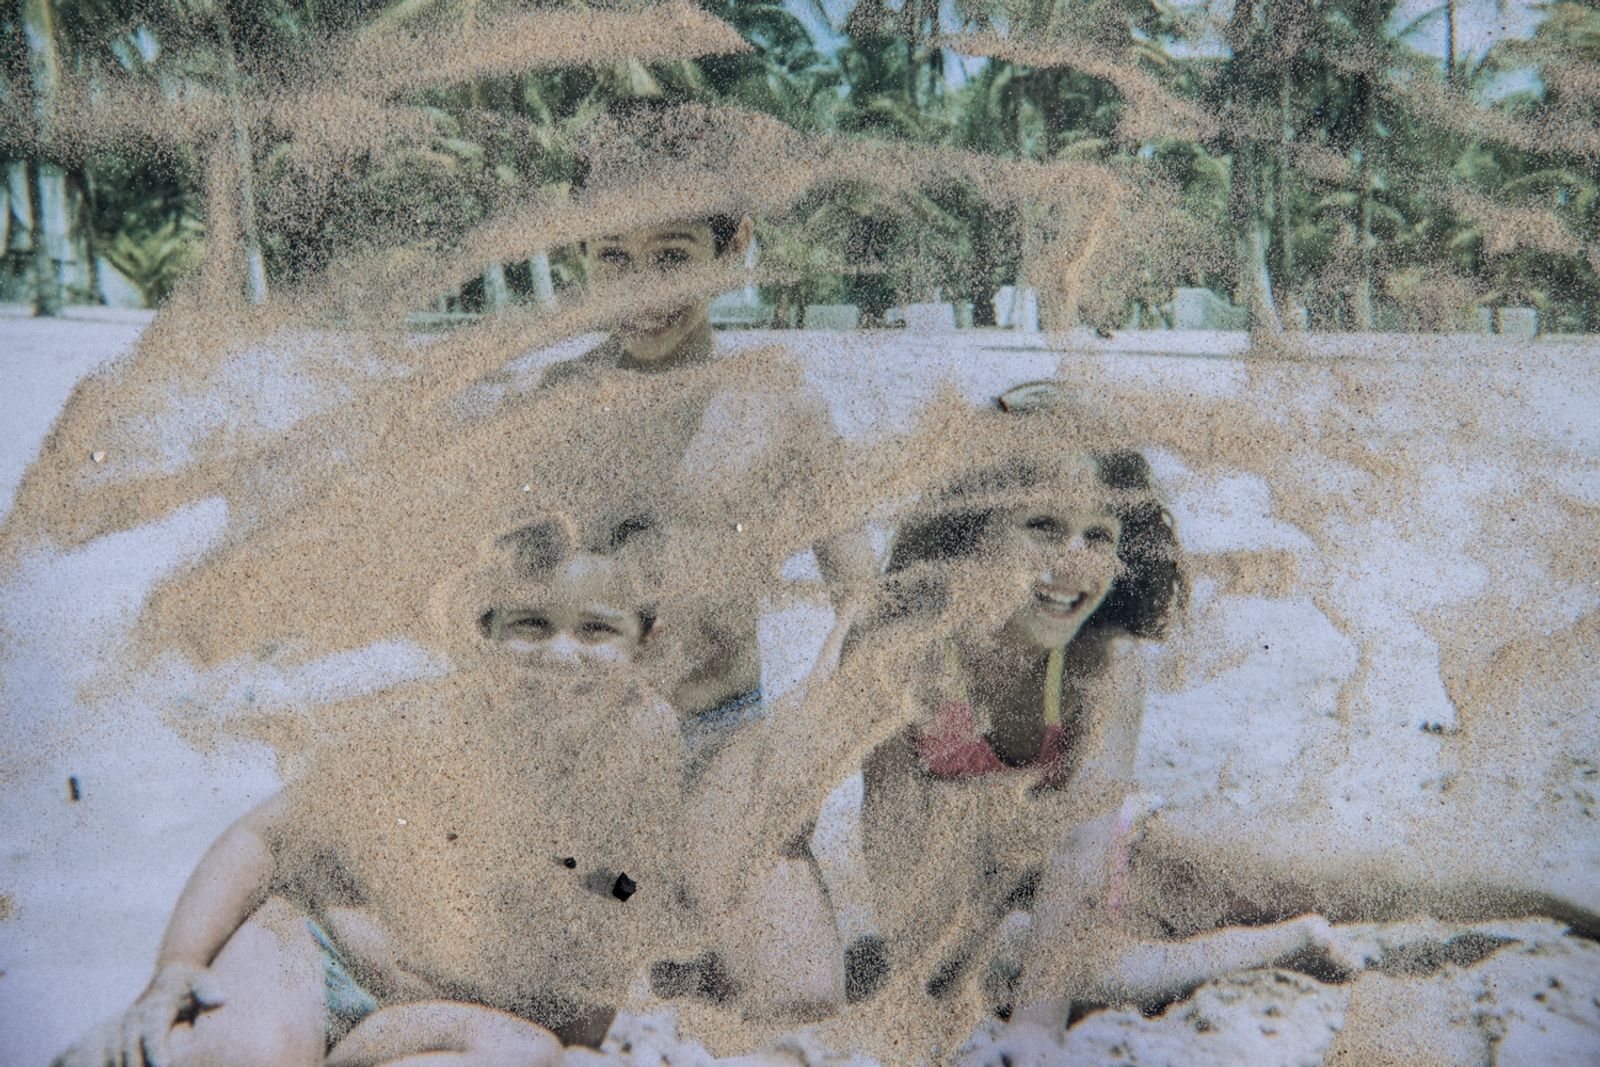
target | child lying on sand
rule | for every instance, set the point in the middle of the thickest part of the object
(477, 873)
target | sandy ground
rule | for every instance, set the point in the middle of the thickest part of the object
(86, 884)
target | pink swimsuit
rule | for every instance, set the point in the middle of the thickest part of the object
(955, 749)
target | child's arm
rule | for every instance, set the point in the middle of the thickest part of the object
(768, 783)
(1113, 706)
(229, 883)
(1080, 897)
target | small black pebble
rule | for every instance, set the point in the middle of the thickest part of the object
(569, 863)
(450, 837)
(624, 887)
(74, 793)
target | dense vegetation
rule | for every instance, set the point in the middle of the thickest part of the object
(1315, 158)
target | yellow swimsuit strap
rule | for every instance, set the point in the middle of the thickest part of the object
(1054, 670)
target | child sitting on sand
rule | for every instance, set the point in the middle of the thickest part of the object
(476, 873)
(1047, 564)
(1016, 599)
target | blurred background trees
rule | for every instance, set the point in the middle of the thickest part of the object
(1342, 164)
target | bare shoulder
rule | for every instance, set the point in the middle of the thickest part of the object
(1107, 663)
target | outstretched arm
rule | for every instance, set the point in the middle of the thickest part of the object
(750, 809)
(766, 786)
(230, 882)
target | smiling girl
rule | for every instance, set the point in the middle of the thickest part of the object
(1030, 704)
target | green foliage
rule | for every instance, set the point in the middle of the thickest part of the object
(155, 260)
(1361, 167)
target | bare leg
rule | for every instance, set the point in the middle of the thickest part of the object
(274, 1013)
(1146, 972)
(442, 1033)
(786, 945)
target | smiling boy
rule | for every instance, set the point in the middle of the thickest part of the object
(723, 687)
(666, 340)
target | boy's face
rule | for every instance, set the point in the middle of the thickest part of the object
(653, 337)
(581, 621)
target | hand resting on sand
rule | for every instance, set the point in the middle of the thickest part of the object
(1150, 973)
(140, 1036)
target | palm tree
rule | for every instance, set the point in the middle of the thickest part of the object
(46, 185)
(1532, 225)
(783, 75)
(1250, 78)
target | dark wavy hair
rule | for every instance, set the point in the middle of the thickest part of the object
(1148, 591)
(540, 547)
(654, 116)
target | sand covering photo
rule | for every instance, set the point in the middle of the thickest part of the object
(669, 533)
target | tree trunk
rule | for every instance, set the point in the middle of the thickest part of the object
(7, 213)
(1251, 241)
(16, 254)
(911, 72)
(983, 268)
(1450, 41)
(47, 188)
(1246, 201)
(46, 272)
(544, 286)
(1363, 294)
(255, 264)
(1285, 268)
(1051, 110)
(91, 247)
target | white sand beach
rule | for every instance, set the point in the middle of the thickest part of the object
(1312, 709)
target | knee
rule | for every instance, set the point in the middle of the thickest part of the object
(268, 987)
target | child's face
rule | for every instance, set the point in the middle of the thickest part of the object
(1057, 561)
(661, 249)
(577, 622)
